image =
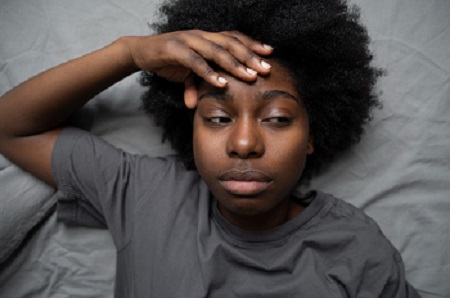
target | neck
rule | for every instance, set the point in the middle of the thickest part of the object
(284, 212)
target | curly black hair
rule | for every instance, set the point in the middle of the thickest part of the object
(321, 43)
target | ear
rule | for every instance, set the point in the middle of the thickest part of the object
(310, 148)
(190, 93)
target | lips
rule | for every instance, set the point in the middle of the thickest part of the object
(244, 183)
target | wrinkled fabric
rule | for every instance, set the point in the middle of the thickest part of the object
(173, 242)
(398, 174)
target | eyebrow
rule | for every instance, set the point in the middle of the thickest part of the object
(265, 96)
(216, 94)
(269, 95)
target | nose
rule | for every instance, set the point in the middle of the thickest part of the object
(245, 140)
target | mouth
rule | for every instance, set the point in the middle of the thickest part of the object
(245, 183)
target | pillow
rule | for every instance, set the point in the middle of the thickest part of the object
(25, 201)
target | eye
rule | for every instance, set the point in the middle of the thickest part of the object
(278, 121)
(218, 121)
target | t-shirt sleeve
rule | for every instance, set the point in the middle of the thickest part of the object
(371, 266)
(97, 182)
(398, 286)
(384, 272)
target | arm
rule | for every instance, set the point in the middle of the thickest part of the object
(31, 114)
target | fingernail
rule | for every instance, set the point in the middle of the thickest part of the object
(265, 64)
(251, 71)
(222, 80)
(267, 47)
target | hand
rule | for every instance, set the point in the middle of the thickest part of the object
(176, 56)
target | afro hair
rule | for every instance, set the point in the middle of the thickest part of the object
(322, 44)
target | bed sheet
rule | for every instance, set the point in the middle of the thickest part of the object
(399, 174)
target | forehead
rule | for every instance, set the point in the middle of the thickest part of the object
(278, 79)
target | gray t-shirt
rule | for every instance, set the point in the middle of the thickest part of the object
(173, 242)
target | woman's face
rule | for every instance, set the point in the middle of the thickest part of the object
(250, 146)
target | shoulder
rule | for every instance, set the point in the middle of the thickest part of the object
(338, 212)
(82, 156)
(74, 143)
(355, 249)
(351, 228)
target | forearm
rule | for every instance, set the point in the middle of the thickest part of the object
(31, 113)
(47, 100)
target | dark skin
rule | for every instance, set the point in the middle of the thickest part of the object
(32, 113)
(250, 146)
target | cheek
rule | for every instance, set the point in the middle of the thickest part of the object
(207, 148)
(197, 148)
(290, 152)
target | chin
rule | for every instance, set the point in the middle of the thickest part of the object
(245, 206)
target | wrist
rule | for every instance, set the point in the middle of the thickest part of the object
(124, 45)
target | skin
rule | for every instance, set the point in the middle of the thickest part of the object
(32, 114)
(252, 131)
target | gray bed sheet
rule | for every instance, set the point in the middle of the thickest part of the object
(399, 174)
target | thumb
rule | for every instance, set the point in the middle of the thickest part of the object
(190, 93)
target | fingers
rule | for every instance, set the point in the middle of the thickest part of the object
(243, 49)
(234, 52)
(186, 56)
(176, 56)
(255, 46)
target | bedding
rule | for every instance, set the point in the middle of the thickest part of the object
(399, 173)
